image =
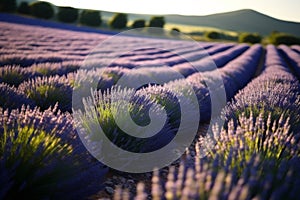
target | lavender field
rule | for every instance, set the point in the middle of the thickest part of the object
(256, 151)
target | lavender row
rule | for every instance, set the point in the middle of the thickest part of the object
(20, 45)
(43, 92)
(220, 58)
(15, 74)
(161, 57)
(276, 90)
(163, 74)
(296, 48)
(273, 58)
(235, 75)
(28, 60)
(292, 57)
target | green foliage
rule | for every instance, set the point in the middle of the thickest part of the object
(139, 23)
(67, 14)
(42, 9)
(104, 111)
(213, 35)
(8, 5)
(34, 159)
(157, 21)
(277, 38)
(48, 95)
(24, 8)
(250, 38)
(118, 21)
(90, 18)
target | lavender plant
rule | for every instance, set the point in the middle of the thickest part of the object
(271, 140)
(47, 91)
(167, 99)
(273, 57)
(15, 75)
(154, 105)
(102, 110)
(11, 98)
(41, 156)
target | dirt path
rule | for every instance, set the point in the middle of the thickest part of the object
(261, 63)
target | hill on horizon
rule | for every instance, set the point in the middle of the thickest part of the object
(245, 20)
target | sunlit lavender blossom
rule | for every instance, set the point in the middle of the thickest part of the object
(15, 75)
(47, 91)
(102, 109)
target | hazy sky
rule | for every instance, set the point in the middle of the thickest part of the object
(282, 9)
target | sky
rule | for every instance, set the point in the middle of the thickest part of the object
(281, 9)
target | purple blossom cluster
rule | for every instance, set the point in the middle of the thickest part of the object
(15, 75)
(103, 107)
(42, 157)
(47, 91)
(11, 98)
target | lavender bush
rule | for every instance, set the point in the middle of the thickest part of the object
(47, 91)
(15, 75)
(11, 98)
(41, 156)
(102, 109)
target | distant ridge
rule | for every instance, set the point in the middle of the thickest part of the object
(245, 20)
(241, 20)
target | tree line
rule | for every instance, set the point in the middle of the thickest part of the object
(45, 10)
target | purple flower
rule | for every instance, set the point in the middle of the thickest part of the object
(15, 75)
(11, 98)
(48, 91)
